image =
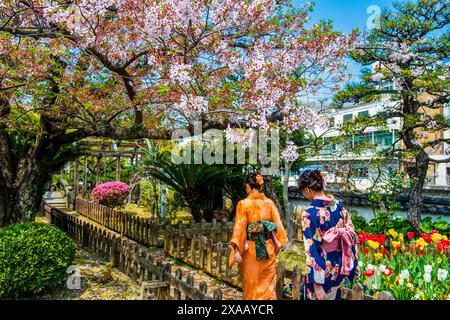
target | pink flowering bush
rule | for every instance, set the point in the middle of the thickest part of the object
(111, 194)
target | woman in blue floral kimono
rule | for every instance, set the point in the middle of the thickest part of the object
(329, 238)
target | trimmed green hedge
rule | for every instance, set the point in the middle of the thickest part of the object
(33, 257)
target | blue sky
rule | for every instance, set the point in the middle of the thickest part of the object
(346, 15)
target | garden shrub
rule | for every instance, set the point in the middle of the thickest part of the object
(111, 194)
(33, 257)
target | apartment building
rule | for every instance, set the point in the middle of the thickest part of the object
(334, 158)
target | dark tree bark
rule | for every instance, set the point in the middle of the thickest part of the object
(271, 194)
(289, 223)
(418, 175)
(21, 195)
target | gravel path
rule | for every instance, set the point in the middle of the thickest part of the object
(98, 281)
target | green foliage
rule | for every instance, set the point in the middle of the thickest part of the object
(399, 224)
(151, 199)
(199, 184)
(359, 222)
(384, 205)
(278, 188)
(33, 258)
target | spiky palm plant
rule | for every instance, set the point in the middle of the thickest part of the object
(197, 183)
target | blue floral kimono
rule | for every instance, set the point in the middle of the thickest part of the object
(325, 267)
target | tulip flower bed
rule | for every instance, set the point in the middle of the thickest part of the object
(411, 268)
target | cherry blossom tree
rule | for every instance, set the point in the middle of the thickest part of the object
(411, 50)
(128, 69)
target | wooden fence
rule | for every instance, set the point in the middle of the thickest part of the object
(133, 259)
(210, 257)
(147, 231)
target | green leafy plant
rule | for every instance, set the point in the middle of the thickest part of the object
(198, 184)
(33, 258)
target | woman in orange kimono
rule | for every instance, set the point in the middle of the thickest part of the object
(258, 235)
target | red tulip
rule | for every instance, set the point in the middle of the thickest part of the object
(442, 246)
(426, 237)
(369, 273)
(381, 239)
(362, 237)
(366, 250)
(433, 232)
(410, 235)
(388, 272)
(383, 250)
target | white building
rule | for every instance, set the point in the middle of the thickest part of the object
(333, 156)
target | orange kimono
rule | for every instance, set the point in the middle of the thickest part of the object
(258, 277)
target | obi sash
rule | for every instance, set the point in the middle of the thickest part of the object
(340, 239)
(259, 232)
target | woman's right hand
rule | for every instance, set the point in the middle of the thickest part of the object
(237, 256)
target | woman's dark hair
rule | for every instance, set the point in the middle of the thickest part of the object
(255, 181)
(311, 179)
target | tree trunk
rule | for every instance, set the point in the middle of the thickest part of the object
(288, 214)
(271, 194)
(20, 201)
(418, 175)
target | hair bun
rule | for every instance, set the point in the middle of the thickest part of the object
(318, 175)
(259, 179)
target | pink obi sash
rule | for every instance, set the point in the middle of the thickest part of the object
(340, 239)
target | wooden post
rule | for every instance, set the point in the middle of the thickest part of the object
(209, 253)
(190, 281)
(178, 276)
(217, 294)
(193, 244)
(114, 253)
(357, 292)
(202, 253)
(280, 280)
(180, 243)
(384, 295)
(185, 247)
(203, 287)
(296, 279)
(218, 270)
(228, 268)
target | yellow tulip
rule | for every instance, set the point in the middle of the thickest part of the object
(378, 256)
(393, 233)
(421, 243)
(396, 244)
(436, 237)
(373, 244)
(400, 237)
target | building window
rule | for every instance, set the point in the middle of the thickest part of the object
(348, 117)
(363, 114)
(362, 139)
(383, 139)
(359, 171)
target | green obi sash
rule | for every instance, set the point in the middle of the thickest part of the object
(264, 229)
